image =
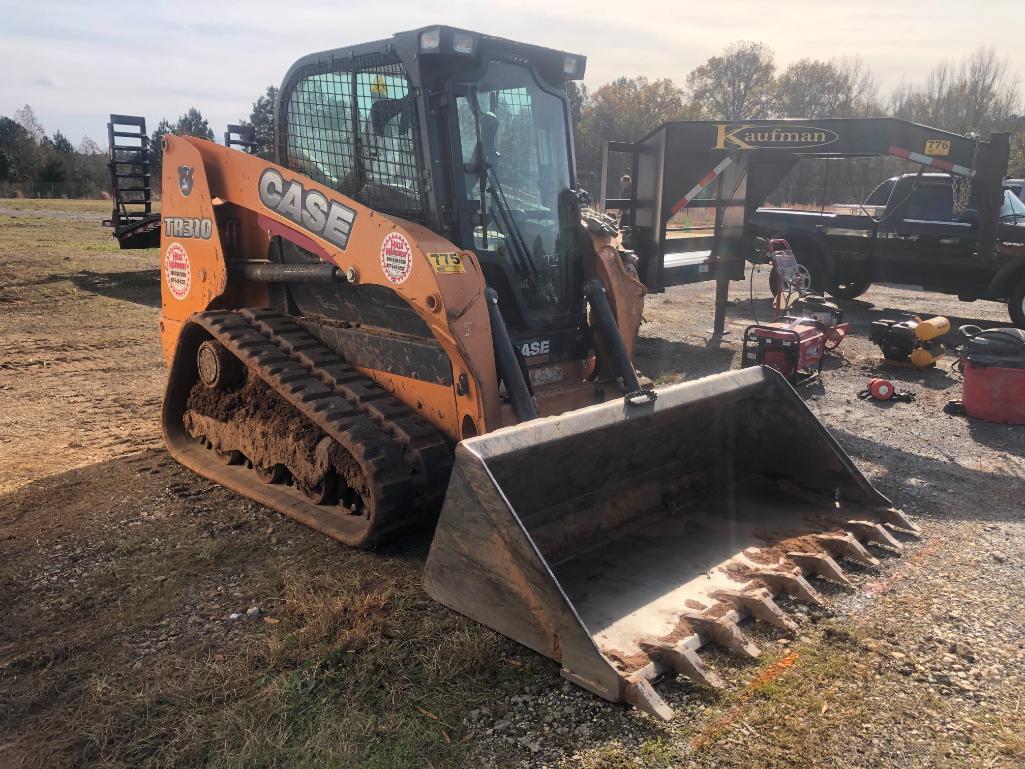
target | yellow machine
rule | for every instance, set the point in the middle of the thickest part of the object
(415, 306)
(915, 340)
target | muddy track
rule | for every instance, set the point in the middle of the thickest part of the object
(391, 464)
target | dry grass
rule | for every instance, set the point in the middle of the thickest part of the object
(56, 204)
(98, 563)
(62, 205)
(357, 667)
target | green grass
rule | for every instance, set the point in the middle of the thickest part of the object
(56, 204)
(24, 221)
(659, 753)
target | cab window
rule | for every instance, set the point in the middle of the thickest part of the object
(1012, 207)
(931, 203)
(881, 194)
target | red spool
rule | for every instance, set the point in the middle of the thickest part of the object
(881, 389)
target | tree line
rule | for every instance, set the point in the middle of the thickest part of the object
(976, 94)
(34, 163)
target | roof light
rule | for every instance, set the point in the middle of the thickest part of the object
(430, 40)
(570, 66)
(464, 42)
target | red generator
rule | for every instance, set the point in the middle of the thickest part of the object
(792, 346)
(993, 366)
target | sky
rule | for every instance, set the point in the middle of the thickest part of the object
(75, 61)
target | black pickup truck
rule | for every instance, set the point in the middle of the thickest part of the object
(906, 232)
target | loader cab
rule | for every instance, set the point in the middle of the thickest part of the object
(467, 134)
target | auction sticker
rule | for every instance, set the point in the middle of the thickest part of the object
(447, 264)
(177, 271)
(396, 258)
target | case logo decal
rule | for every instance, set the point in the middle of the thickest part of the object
(310, 209)
(536, 348)
(396, 257)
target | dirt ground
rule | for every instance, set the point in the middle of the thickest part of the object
(152, 618)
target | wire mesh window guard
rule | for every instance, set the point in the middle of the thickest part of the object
(356, 130)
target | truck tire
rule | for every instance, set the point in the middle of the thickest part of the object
(812, 271)
(1016, 304)
(850, 290)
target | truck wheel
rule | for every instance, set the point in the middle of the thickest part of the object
(1016, 305)
(851, 290)
(811, 270)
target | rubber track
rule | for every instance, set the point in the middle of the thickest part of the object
(410, 460)
(426, 450)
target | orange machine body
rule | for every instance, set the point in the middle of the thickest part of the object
(221, 207)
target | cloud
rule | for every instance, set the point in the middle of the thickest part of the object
(74, 66)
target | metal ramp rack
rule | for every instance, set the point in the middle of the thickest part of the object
(133, 220)
(242, 137)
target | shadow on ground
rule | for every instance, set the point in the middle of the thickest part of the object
(660, 358)
(864, 313)
(936, 485)
(138, 286)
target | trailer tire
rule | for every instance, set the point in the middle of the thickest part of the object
(1016, 304)
(811, 265)
(850, 290)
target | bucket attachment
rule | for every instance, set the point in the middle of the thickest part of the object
(619, 539)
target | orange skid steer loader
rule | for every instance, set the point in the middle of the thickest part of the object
(414, 310)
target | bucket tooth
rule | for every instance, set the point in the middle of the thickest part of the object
(846, 546)
(725, 633)
(821, 564)
(899, 520)
(794, 585)
(684, 661)
(759, 604)
(643, 696)
(875, 532)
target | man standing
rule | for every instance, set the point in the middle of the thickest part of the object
(625, 189)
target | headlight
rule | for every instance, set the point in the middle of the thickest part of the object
(430, 40)
(463, 42)
(570, 65)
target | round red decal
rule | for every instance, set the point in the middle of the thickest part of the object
(177, 272)
(396, 258)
